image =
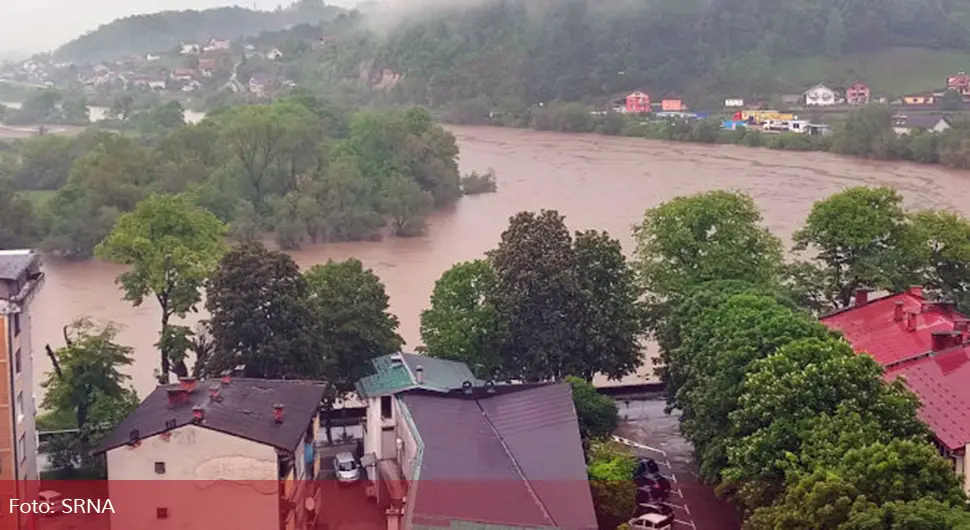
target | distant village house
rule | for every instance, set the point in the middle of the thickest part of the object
(733, 103)
(672, 105)
(638, 102)
(858, 94)
(920, 123)
(821, 96)
(959, 83)
(919, 99)
(274, 55)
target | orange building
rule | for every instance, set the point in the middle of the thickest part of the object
(20, 279)
(638, 102)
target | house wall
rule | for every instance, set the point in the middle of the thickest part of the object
(407, 454)
(820, 97)
(208, 474)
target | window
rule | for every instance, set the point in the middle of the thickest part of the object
(386, 407)
(20, 406)
(16, 361)
(16, 324)
(159, 468)
(22, 448)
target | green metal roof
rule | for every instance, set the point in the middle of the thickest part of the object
(395, 373)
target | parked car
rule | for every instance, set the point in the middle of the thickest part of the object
(52, 499)
(659, 508)
(346, 468)
(651, 521)
(652, 486)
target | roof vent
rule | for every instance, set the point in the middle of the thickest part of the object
(396, 358)
(467, 387)
(170, 424)
(278, 413)
(911, 321)
(490, 386)
(898, 313)
(419, 374)
(187, 383)
(214, 394)
(134, 436)
(861, 297)
(177, 396)
(198, 414)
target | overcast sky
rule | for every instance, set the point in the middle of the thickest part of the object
(38, 25)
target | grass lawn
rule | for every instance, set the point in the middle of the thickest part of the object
(38, 197)
(891, 72)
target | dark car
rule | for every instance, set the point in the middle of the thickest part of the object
(659, 508)
(651, 485)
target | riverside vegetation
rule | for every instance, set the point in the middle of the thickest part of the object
(300, 167)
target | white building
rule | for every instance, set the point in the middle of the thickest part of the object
(732, 103)
(821, 96)
(235, 453)
(274, 55)
(920, 123)
(20, 279)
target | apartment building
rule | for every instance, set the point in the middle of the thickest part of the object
(223, 453)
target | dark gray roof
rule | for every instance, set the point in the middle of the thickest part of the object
(919, 121)
(520, 449)
(13, 263)
(244, 408)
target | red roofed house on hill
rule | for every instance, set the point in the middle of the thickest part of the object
(925, 342)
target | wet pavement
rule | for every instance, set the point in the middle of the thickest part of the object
(655, 434)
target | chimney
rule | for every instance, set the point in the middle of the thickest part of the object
(187, 384)
(278, 413)
(198, 414)
(917, 291)
(419, 374)
(910, 321)
(898, 314)
(176, 396)
(941, 340)
(861, 297)
(225, 379)
(214, 393)
(468, 388)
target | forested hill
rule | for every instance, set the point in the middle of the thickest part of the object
(140, 34)
(539, 50)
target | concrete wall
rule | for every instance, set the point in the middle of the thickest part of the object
(407, 454)
(24, 385)
(196, 458)
(18, 433)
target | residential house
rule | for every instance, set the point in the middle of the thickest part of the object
(208, 64)
(858, 94)
(821, 96)
(151, 57)
(920, 99)
(260, 84)
(190, 49)
(449, 450)
(638, 102)
(672, 105)
(191, 86)
(21, 278)
(274, 55)
(217, 44)
(920, 122)
(248, 444)
(924, 342)
(959, 83)
(183, 74)
(733, 103)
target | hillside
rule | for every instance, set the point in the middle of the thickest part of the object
(527, 51)
(140, 34)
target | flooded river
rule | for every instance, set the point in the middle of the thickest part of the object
(595, 181)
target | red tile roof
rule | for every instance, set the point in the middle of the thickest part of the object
(941, 382)
(872, 328)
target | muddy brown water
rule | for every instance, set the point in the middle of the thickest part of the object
(597, 182)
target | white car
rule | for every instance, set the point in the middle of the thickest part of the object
(52, 499)
(346, 468)
(652, 521)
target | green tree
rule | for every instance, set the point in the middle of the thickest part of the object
(867, 132)
(87, 381)
(612, 319)
(172, 247)
(862, 484)
(260, 316)
(784, 392)
(856, 238)
(610, 469)
(597, 414)
(537, 295)
(462, 324)
(353, 323)
(18, 228)
(941, 251)
(403, 199)
(714, 235)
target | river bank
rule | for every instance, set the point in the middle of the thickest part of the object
(96, 114)
(596, 181)
(868, 132)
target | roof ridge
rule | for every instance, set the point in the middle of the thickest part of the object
(515, 464)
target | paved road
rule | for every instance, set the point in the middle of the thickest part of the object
(654, 434)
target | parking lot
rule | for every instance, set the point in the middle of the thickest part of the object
(651, 433)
